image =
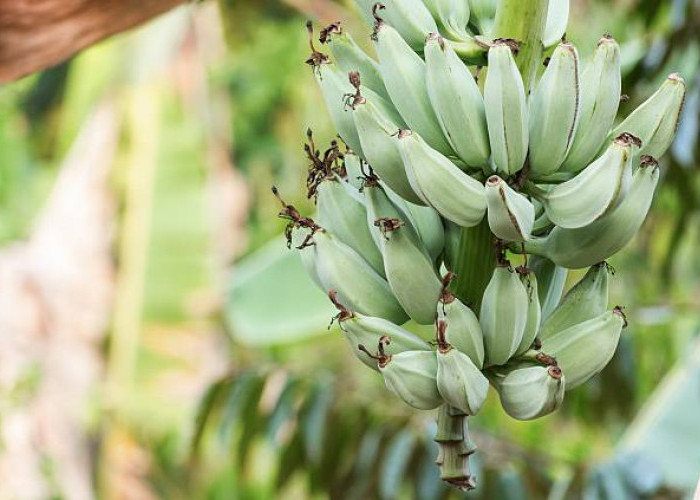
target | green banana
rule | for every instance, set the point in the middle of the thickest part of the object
(350, 57)
(554, 111)
(550, 282)
(506, 110)
(585, 300)
(584, 349)
(601, 84)
(353, 169)
(336, 266)
(530, 392)
(381, 206)
(334, 88)
(342, 269)
(503, 315)
(366, 330)
(557, 19)
(482, 13)
(409, 271)
(452, 17)
(534, 312)
(460, 383)
(342, 212)
(511, 215)
(429, 226)
(656, 120)
(410, 18)
(404, 75)
(582, 247)
(375, 132)
(457, 102)
(412, 376)
(464, 332)
(596, 190)
(440, 183)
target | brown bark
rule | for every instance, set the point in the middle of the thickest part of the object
(36, 34)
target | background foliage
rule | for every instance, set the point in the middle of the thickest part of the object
(251, 395)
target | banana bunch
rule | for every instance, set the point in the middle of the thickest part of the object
(430, 143)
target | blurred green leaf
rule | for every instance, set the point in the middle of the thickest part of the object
(273, 301)
(666, 431)
(314, 419)
(396, 459)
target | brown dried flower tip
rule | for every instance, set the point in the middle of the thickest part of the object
(316, 58)
(322, 168)
(440, 331)
(344, 313)
(447, 297)
(378, 21)
(352, 100)
(324, 36)
(381, 357)
(546, 359)
(627, 138)
(648, 161)
(295, 221)
(387, 225)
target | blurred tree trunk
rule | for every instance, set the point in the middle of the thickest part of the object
(55, 296)
(36, 34)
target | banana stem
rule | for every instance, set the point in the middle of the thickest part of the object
(523, 20)
(475, 264)
(455, 448)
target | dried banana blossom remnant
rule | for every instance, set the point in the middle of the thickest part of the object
(428, 154)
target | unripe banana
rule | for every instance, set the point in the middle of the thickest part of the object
(550, 282)
(440, 183)
(534, 312)
(584, 349)
(460, 383)
(656, 120)
(342, 212)
(429, 226)
(404, 75)
(554, 109)
(353, 169)
(582, 247)
(410, 272)
(410, 18)
(369, 331)
(350, 57)
(452, 16)
(375, 131)
(380, 206)
(412, 376)
(463, 330)
(482, 14)
(587, 299)
(307, 255)
(342, 269)
(557, 19)
(506, 110)
(511, 215)
(530, 392)
(457, 102)
(596, 190)
(335, 88)
(600, 99)
(503, 315)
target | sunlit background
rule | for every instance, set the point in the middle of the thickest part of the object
(158, 340)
